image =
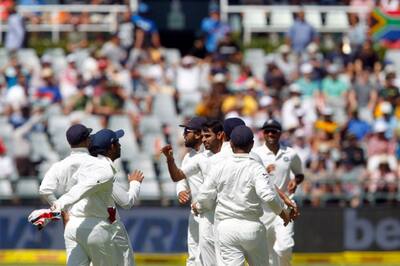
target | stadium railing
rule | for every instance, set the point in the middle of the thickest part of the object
(50, 18)
(279, 18)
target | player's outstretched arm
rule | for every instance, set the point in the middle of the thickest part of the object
(127, 199)
(294, 210)
(175, 173)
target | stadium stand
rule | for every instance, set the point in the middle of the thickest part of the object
(343, 119)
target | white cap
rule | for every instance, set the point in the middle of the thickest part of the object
(390, 68)
(46, 58)
(312, 48)
(332, 69)
(219, 78)
(306, 68)
(294, 87)
(265, 101)
(386, 107)
(300, 133)
(284, 49)
(300, 112)
(188, 60)
(327, 111)
(71, 58)
(380, 127)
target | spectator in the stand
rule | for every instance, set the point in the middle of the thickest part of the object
(210, 106)
(289, 107)
(357, 127)
(111, 101)
(188, 81)
(16, 32)
(146, 32)
(199, 49)
(357, 33)
(352, 152)
(6, 163)
(81, 100)
(229, 49)
(380, 148)
(126, 31)
(366, 56)
(274, 80)
(76, 39)
(240, 103)
(301, 34)
(69, 78)
(50, 92)
(363, 95)
(335, 91)
(388, 118)
(309, 87)
(214, 29)
(17, 96)
(286, 63)
(390, 93)
(113, 50)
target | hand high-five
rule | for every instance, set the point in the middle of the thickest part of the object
(136, 176)
(184, 196)
(167, 151)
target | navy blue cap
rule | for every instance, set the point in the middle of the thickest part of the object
(103, 139)
(77, 133)
(242, 136)
(231, 123)
(196, 123)
(272, 124)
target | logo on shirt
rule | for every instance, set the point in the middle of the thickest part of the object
(286, 159)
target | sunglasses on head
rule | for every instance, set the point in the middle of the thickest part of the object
(187, 131)
(275, 131)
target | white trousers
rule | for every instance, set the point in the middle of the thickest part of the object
(206, 250)
(240, 240)
(123, 246)
(96, 240)
(192, 240)
(280, 242)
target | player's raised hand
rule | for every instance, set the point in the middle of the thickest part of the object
(194, 209)
(184, 196)
(167, 151)
(285, 217)
(136, 176)
(292, 186)
(270, 168)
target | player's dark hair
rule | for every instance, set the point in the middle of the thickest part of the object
(214, 125)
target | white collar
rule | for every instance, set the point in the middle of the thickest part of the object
(79, 150)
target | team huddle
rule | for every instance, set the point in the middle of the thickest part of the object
(240, 196)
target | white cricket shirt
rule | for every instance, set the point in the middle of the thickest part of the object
(286, 161)
(58, 179)
(240, 186)
(194, 181)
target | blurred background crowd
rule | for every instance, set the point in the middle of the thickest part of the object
(339, 107)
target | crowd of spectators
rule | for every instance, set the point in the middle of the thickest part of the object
(339, 109)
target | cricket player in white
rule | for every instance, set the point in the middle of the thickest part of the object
(187, 188)
(239, 186)
(212, 135)
(280, 162)
(94, 232)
